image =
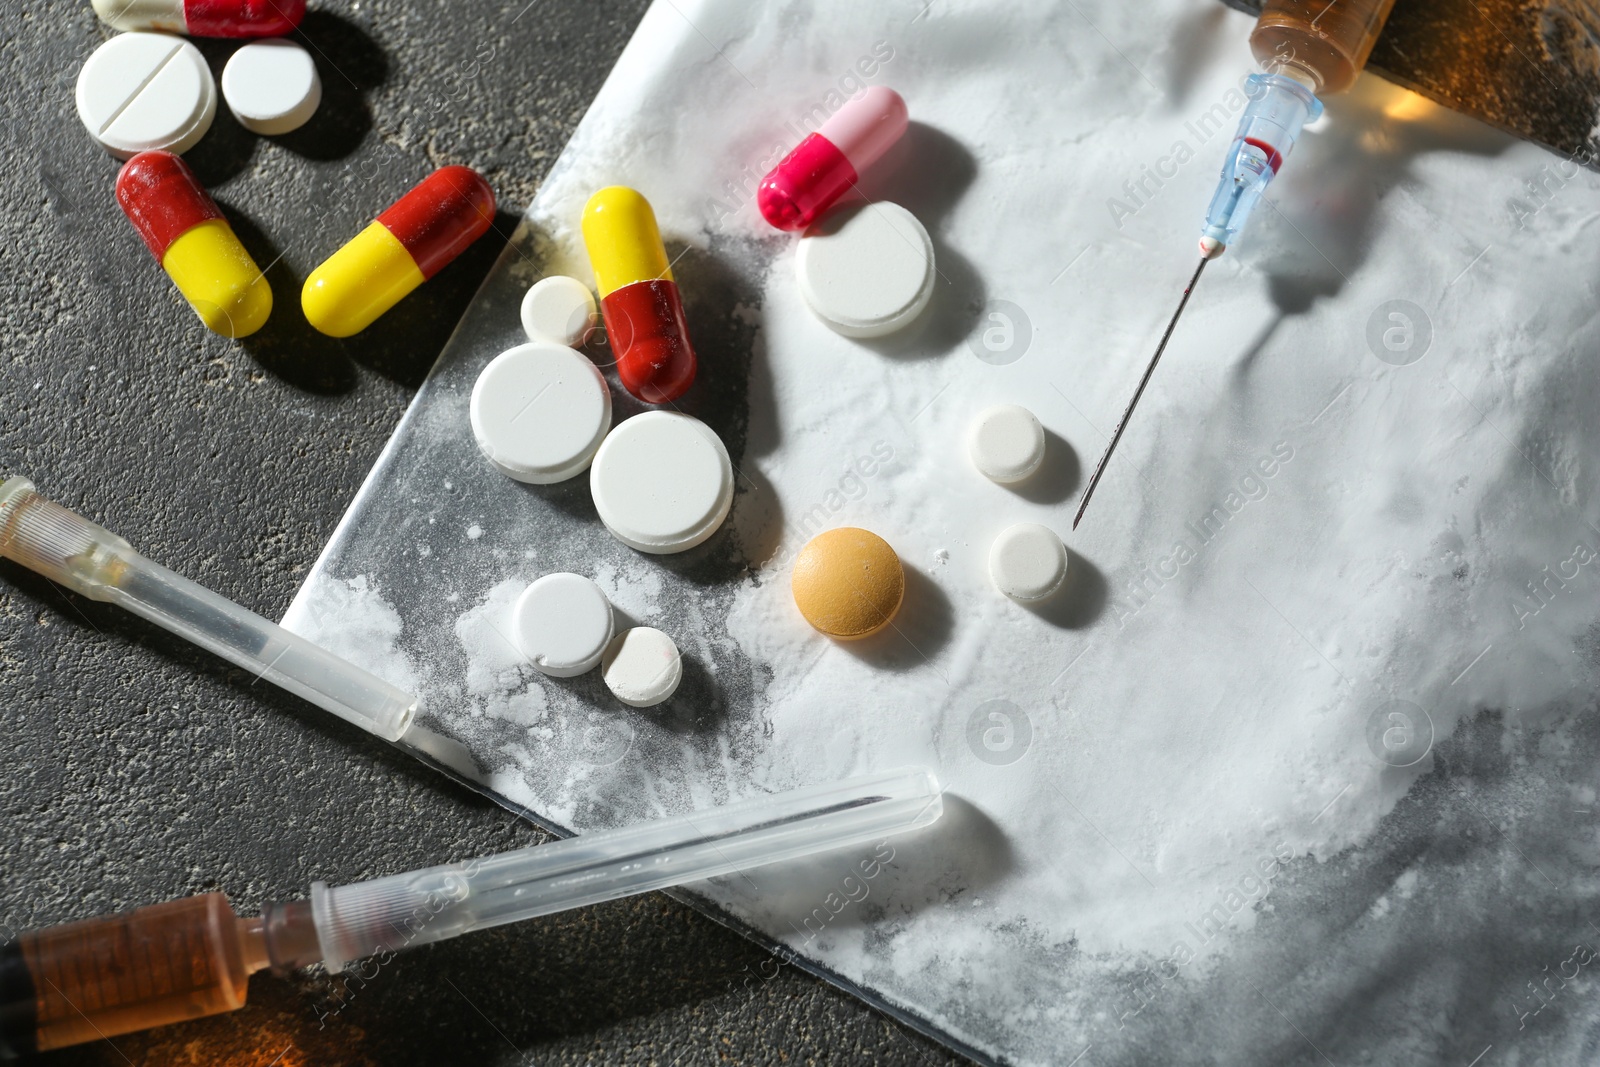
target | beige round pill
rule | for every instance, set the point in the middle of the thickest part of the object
(848, 583)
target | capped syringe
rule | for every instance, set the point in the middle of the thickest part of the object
(1308, 47)
(89, 559)
(193, 957)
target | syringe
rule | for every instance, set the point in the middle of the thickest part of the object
(193, 957)
(88, 559)
(1309, 46)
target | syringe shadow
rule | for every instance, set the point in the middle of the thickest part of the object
(1317, 230)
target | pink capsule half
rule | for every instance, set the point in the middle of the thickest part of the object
(824, 166)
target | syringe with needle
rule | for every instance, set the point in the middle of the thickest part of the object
(1310, 47)
(193, 957)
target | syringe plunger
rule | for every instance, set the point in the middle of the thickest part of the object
(88, 559)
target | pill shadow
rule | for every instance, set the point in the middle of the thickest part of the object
(572, 497)
(1057, 476)
(717, 561)
(588, 688)
(698, 708)
(349, 64)
(227, 147)
(757, 516)
(724, 343)
(927, 172)
(917, 633)
(287, 347)
(1080, 600)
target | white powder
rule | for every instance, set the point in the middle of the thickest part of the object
(351, 619)
(1311, 550)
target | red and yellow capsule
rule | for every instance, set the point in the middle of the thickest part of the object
(408, 244)
(194, 244)
(638, 298)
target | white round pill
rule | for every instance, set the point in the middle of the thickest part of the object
(866, 269)
(642, 667)
(1028, 561)
(271, 86)
(562, 623)
(539, 412)
(662, 482)
(144, 91)
(560, 311)
(1006, 443)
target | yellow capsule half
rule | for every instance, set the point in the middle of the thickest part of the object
(619, 229)
(358, 283)
(219, 279)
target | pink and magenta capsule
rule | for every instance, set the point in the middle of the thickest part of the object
(823, 167)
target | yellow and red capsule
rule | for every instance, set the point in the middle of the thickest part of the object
(407, 244)
(194, 244)
(638, 298)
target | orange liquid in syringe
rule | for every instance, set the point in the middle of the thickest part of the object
(1328, 39)
(150, 967)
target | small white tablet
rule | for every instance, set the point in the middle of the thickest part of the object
(642, 667)
(1028, 562)
(559, 311)
(146, 91)
(866, 269)
(1006, 443)
(662, 482)
(271, 86)
(562, 623)
(539, 412)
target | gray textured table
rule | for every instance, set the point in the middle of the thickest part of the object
(140, 769)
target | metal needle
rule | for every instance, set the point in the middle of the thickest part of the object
(1100, 468)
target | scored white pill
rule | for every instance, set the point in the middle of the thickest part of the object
(642, 667)
(662, 482)
(271, 86)
(1028, 561)
(145, 91)
(1006, 443)
(866, 269)
(559, 311)
(539, 412)
(562, 623)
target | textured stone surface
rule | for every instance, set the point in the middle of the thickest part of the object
(139, 769)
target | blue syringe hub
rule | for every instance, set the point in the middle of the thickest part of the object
(1279, 108)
